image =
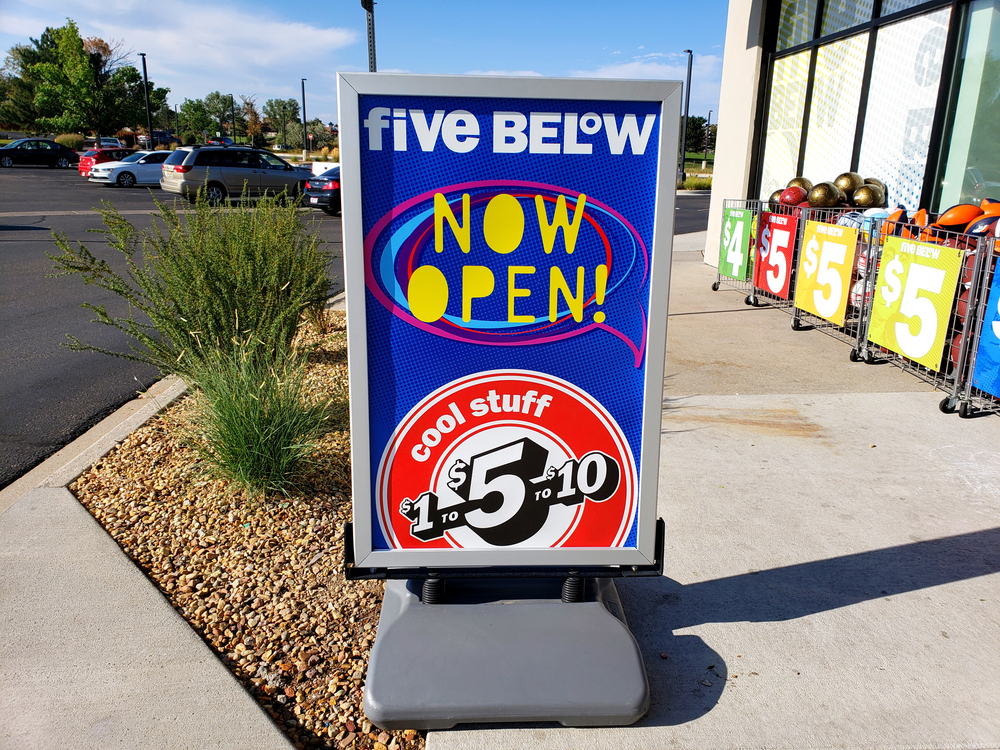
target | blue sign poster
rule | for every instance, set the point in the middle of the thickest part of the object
(507, 255)
(986, 376)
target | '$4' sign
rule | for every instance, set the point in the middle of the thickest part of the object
(734, 250)
(825, 269)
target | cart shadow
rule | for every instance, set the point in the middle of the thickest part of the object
(22, 228)
(689, 681)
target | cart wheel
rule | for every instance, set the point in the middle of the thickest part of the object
(715, 286)
(854, 355)
(796, 325)
(748, 300)
(869, 357)
(947, 405)
(963, 410)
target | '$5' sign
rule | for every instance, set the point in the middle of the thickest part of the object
(774, 254)
(825, 268)
(913, 299)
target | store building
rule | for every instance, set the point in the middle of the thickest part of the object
(903, 91)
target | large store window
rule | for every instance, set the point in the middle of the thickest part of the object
(797, 23)
(894, 6)
(833, 116)
(784, 125)
(901, 101)
(971, 150)
(844, 14)
(869, 99)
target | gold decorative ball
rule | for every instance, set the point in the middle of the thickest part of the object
(878, 183)
(775, 198)
(825, 195)
(868, 196)
(801, 182)
(849, 182)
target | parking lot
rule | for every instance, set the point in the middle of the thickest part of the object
(50, 394)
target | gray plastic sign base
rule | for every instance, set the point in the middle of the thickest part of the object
(504, 651)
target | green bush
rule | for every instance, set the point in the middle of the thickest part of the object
(71, 140)
(190, 139)
(696, 183)
(251, 423)
(200, 283)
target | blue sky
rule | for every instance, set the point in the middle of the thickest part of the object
(264, 48)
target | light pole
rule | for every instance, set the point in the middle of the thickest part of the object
(145, 88)
(369, 6)
(684, 129)
(177, 123)
(305, 140)
(232, 115)
(708, 133)
(284, 118)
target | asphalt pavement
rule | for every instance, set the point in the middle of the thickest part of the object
(49, 394)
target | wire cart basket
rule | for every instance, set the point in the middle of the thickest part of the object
(974, 400)
(858, 293)
(744, 284)
(952, 373)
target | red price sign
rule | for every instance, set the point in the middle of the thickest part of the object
(772, 269)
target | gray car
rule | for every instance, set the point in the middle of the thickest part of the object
(229, 170)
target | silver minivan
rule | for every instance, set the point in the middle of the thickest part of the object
(230, 170)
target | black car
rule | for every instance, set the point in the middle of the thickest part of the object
(37, 151)
(323, 191)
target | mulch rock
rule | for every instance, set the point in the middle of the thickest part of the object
(261, 581)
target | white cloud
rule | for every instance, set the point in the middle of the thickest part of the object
(195, 48)
(706, 75)
(616, 52)
(642, 46)
(501, 73)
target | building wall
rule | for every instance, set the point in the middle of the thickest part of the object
(737, 109)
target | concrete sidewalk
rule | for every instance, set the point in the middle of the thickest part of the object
(91, 653)
(832, 569)
(832, 574)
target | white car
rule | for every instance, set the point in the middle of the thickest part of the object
(110, 143)
(140, 168)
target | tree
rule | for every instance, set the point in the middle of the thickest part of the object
(254, 122)
(281, 112)
(18, 109)
(163, 118)
(696, 134)
(321, 136)
(64, 82)
(219, 108)
(131, 110)
(195, 117)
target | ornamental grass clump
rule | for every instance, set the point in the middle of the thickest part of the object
(217, 296)
(198, 283)
(252, 423)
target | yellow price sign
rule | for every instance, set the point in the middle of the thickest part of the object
(824, 272)
(914, 296)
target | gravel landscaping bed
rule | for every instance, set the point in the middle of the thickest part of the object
(262, 582)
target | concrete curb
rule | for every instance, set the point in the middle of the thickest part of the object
(69, 462)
